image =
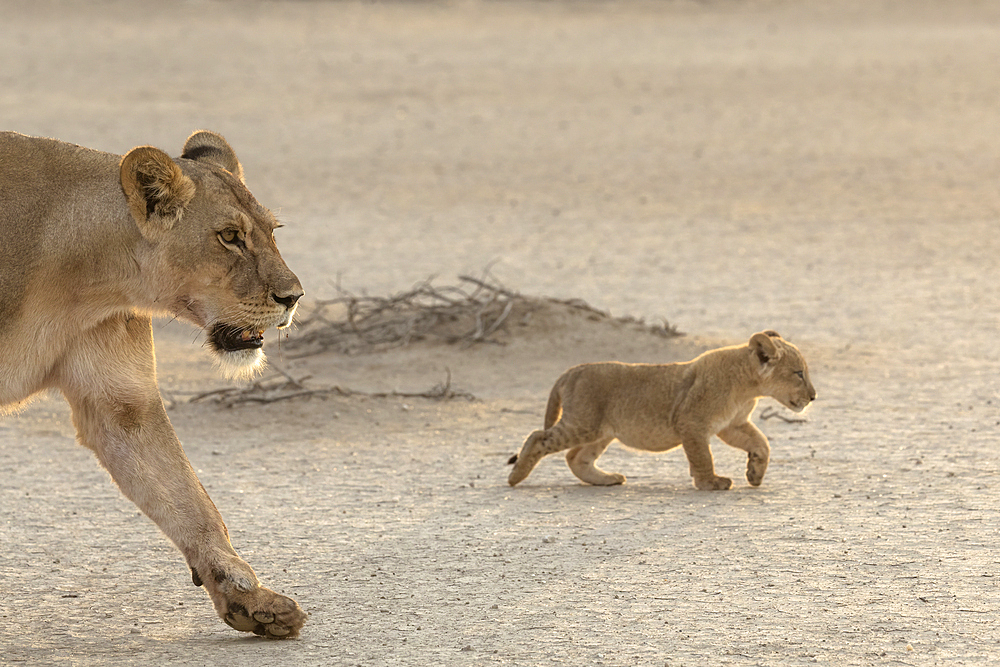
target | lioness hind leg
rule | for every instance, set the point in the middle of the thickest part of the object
(749, 438)
(582, 461)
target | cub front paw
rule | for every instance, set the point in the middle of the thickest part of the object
(714, 483)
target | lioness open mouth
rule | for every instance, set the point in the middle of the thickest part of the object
(229, 338)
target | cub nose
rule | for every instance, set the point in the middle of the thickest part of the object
(287, 300)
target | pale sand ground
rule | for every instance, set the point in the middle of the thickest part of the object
(827, 169)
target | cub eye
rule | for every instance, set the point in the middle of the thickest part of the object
(231, 237)
(801, 375)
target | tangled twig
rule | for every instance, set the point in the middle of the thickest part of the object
(467, 314)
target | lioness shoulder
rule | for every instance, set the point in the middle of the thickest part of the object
(657, 407)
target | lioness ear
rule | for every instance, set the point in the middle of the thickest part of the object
(154, 186)
(210, 147)
(765, 349)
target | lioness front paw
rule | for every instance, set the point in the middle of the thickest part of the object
(714, 483)
(265, 613)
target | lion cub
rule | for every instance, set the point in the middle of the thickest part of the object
(656, 407)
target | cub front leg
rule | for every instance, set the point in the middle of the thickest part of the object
(124, 423)
(699, 456)
(749, 438)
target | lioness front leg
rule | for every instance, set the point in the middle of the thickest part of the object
(582, 461)
(125, 424)
(150, 468)
(702, 466)
(748, 437)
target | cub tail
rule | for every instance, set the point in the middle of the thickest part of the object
(553, 410)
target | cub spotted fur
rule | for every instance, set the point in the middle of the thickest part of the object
(95, 244)
(657, 407)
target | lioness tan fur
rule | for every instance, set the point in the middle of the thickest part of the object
(93, 245)
(657, 407)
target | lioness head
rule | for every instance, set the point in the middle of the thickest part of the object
(209, 247)
(785, 372)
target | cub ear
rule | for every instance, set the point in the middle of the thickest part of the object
(764, 347)
(154, 186)
(210, 147)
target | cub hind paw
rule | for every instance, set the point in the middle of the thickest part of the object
(600, 478)
(715, 483)
(517, 475)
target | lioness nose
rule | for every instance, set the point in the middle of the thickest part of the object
(287, 300)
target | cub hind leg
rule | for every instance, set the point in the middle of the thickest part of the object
(539, 445)
(582, 460)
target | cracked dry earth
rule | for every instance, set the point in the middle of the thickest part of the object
(828, 170)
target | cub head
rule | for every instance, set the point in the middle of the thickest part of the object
(783, 369)
(208, 254)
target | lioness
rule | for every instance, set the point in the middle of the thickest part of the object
(93, 245)
(656, 407)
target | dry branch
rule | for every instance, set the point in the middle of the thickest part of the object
(769, 413)
(262, 392)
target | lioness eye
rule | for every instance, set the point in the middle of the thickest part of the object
(230, 237)
(801, 375)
